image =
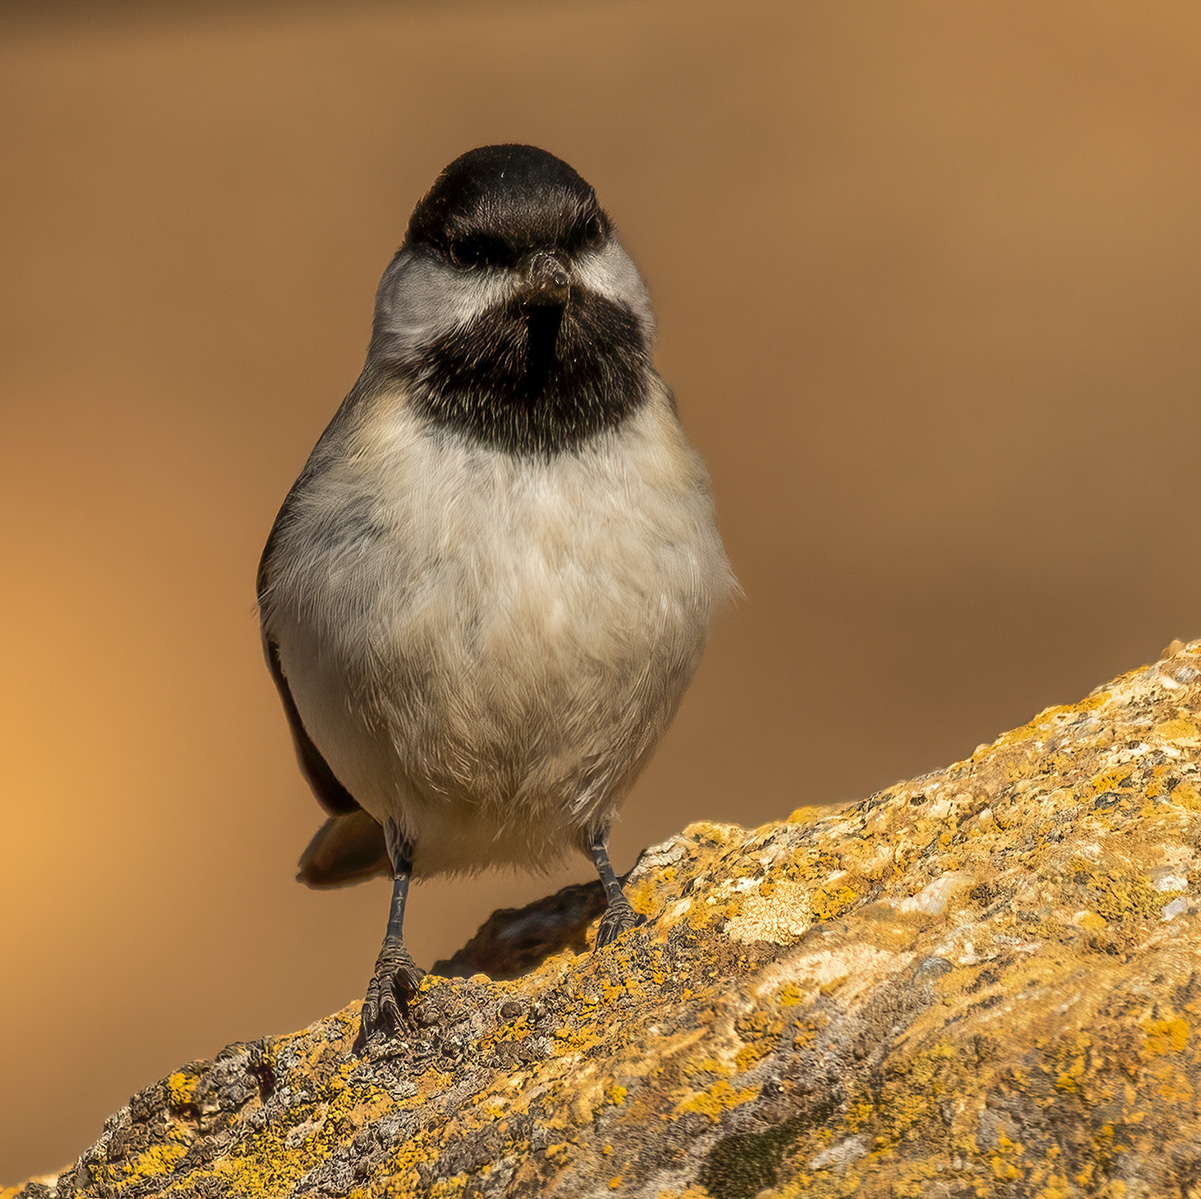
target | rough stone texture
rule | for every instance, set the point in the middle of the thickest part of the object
(981, 982)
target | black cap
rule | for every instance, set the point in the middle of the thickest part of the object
(517, 195)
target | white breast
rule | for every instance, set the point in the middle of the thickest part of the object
(484, 647)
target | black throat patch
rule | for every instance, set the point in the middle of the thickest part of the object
(538, 379)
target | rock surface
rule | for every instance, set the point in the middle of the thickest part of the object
(981, 982)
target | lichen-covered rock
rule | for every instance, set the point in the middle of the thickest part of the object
(981, 982)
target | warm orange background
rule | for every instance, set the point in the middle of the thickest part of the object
(928, 283)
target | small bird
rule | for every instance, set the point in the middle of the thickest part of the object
(485, 595)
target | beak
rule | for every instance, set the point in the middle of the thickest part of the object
(548, 278)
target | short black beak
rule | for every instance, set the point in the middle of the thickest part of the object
(548, 278)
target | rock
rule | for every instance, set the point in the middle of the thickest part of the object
(981, 982)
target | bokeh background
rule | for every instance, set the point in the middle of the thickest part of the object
(928, 283)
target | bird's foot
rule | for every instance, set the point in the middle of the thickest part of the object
(619, 918)
(392, 988)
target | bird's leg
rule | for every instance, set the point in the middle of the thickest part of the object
(397, 976)
(620, 916)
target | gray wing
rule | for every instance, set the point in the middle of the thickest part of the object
(332, 795)
(350, 845)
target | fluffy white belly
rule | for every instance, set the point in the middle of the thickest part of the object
(487, 649)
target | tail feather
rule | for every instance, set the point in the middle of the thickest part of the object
(346, 849)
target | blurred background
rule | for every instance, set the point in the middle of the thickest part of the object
(927, 278)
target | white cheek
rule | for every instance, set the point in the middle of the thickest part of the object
(421, 300)
(611, 273)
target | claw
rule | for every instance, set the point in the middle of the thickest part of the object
(391, 990)
(619, 918)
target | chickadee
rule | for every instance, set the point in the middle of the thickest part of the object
(485, 595)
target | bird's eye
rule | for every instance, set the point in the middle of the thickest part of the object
(465, 253)
(594, 232)
(478, 249)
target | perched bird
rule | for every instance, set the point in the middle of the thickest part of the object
(486, 593)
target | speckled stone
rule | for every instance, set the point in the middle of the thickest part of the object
(981, 982)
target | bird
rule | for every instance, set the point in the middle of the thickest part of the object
(486, 593)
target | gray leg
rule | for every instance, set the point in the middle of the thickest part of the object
(397, 976)
(620, 917)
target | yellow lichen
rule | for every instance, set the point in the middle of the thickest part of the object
(789, 995)
(1182, 732)
(714, 1100)
(705, 1065)
(750, 1055)
(1165, 1036)
(1002, 1163)
(1047, 719)
(1187, 796)
(807, 815)
(155, 1161)
(1109, 781)
(1121, 894)
(828, 902)
(181, 1089)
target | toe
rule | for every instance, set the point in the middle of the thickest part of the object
(617, 920)
(393, 985)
